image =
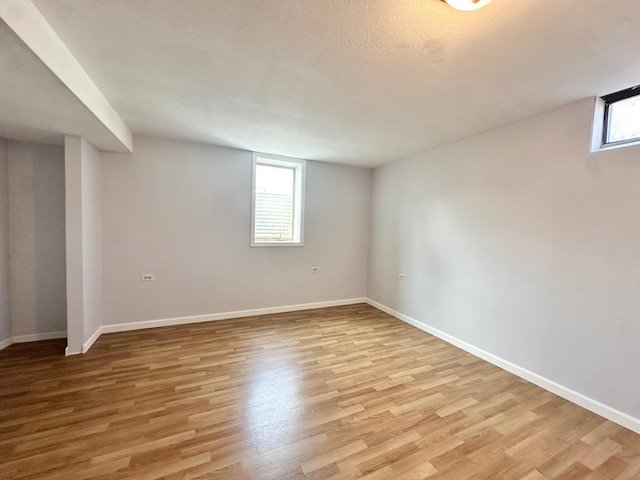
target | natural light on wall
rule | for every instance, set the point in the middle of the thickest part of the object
(468, 5)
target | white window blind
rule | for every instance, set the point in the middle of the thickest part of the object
(274, 203)
(278, 186)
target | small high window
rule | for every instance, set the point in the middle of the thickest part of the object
(617, 119)
(278, 201)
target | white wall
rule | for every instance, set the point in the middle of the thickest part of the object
(83, 214)
(181, 211)
(74, 244)
(5, 292)
(37, 260)
(522, 243)
(92, 239)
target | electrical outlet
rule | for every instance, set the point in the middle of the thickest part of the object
(147, 277)
(315, 269)
(403, 276)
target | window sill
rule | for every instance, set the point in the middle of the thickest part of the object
(615, 145)
(277, 244)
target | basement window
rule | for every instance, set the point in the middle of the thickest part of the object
(617, 120)
(278, 201)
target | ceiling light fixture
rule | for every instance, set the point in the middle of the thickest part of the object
(468, 5)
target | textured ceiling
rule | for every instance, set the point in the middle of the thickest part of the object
(361, 82)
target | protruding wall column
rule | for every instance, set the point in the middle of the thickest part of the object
(84, 285)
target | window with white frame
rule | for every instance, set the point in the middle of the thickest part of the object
(617, 119)
(277, 215)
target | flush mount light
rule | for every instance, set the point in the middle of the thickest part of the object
(468, 5)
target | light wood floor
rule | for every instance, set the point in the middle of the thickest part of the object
(342, 393)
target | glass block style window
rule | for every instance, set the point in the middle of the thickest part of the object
(622, 116)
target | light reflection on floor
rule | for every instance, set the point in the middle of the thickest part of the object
(273, 407)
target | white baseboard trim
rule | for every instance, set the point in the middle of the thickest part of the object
(35, 337)
(5, 343)
(167, 322)
(90, 341)
(590, 404)
(68, 352)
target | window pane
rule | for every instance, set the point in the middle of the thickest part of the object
(274, 203)
(624, 120)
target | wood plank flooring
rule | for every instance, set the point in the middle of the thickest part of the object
(337, 393)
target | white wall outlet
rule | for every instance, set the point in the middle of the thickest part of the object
(315, 269)
(147, 277)
(403, 276)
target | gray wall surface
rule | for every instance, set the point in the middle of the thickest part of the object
(521, 243)
(5, 292)
(181, 211)
(92, 238)
(37, 226)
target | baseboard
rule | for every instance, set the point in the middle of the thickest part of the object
(167, 322)
(35, 337)
(578, 398)
(123, 327)
(5, 343)
(90, 341)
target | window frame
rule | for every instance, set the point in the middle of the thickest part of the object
(299, 180)
(602, 120)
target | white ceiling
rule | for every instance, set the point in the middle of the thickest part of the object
(361, 82)
(36, 106)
